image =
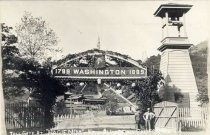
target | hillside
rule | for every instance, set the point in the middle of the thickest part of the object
(198, 55)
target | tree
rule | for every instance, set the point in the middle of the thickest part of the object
(168, 92)
(203, 96)
(35, 39)
(19, 72)
(198, 55)
(153, 63)
(112, 102)
(146, 93)
(8, 45)
(11, 63)
(44, 87)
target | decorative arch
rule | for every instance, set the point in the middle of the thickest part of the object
(99, 64)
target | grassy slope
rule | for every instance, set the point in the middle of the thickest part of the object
(198, 55)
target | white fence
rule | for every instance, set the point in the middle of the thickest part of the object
(197, 120)
(183, 119)
(87, 115)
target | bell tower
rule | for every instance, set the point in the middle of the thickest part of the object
(175, 64)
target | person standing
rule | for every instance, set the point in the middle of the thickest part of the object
(137, 119)
(148, 116)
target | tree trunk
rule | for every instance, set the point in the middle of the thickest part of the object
(2, 107)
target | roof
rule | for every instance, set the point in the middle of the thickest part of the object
(68, 93)
(95, 100)
(173, 9)
(76, 96)
(123, 105)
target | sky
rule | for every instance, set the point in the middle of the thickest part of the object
(127, 27)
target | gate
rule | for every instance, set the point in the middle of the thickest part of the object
(166, 115)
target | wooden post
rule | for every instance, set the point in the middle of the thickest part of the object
(184, 25)
(162, 28)
(71, 105)
(166, 14)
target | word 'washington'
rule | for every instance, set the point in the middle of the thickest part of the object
(99, 72)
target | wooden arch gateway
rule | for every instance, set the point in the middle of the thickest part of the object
(98, 71)
(98, 64)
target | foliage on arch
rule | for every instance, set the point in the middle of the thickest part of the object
(87, 58)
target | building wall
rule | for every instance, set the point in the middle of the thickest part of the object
(176, 67)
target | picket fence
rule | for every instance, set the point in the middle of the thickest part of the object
(197, 120)
(22, 116)
(62, 117)
(183, 118)
(88, 116)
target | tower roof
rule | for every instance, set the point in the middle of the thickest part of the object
(174, 10)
